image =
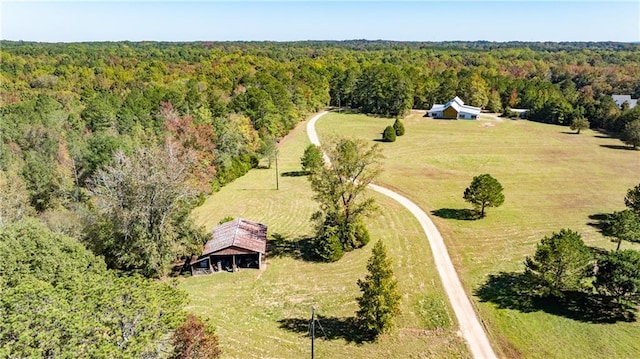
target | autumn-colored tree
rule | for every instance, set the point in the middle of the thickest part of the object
(195, 339)
(195, 143)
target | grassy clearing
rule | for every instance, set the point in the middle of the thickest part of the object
(264, 314)
(553, 179)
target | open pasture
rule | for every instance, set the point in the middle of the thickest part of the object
(552, 179)
(265, 314)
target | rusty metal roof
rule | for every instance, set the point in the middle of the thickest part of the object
(239, 233)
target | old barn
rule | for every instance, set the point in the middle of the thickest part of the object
(237, 244)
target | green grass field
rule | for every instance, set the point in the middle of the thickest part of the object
(553, 179)
(264, 314)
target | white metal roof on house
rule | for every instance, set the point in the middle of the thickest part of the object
(436, 107)
(470, 109)
(458, 105)
(620, 99)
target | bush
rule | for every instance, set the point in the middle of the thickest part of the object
(226, 219)
(389, 134)
(327, 246)
(399, 127)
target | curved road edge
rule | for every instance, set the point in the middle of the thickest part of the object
(470, 327)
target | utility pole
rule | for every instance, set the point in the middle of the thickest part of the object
(313, 328)
(277, 179)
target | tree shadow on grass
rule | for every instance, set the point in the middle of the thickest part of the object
(600, 222)
(463, 214)
(512, 291)
(569, 132)
(329, 328)
(299, 248)
(295, 174)
(619, 147)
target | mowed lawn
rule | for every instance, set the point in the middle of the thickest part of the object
(553, 179)
(265, 314)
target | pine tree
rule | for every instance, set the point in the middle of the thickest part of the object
(484, 191)
(380, 300)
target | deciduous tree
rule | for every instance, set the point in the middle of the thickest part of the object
(140, 202)
(579, 123)
(195, 339)
(311, 159)
(631, 134)
(632, 199)
(339, 190)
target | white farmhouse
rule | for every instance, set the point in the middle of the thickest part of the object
(454, 109)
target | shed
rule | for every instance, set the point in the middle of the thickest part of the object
(237, 244)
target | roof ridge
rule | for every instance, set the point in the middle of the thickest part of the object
(235, 233)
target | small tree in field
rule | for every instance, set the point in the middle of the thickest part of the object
(579, 123)
(631, 134)
(380, 300)
(632, 199)
(618, 276)
(399, 127)
(624, 226)
(195, 339)
(484, 191)
(560, 264)
(311, 159)
(389, 134)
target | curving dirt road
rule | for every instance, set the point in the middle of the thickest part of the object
(470, 327)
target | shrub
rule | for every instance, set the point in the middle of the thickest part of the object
(389, 134)
(399, 127)
(327, 246)
(226, 219)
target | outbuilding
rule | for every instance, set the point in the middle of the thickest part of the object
(233, 245)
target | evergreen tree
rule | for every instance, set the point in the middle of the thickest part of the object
(399, 127)
(389, 134)
(624, 226)
(380, 300)
(618, 276)
(484, 191)
(560, 264)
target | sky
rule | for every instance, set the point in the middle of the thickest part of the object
(74, 21)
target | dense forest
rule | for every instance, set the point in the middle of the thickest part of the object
(83, 125)
(112, 144)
